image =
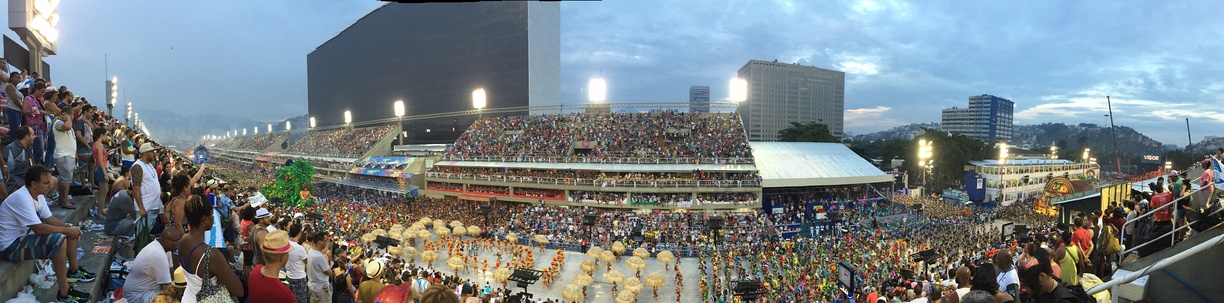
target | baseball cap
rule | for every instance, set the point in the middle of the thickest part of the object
(147, 147)
(262, 213)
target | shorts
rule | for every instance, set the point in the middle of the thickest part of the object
(65, 166)
(128, 163)
(33, 247)
(84, 152)
(99, 178)
(124, 227)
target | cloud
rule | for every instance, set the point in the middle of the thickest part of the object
(870, 119)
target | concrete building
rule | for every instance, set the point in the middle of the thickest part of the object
(987, 118)
(699, 99)
(781, 93)
(433, 56)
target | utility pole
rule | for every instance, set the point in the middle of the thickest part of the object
(1189, 141)
(1114, 134)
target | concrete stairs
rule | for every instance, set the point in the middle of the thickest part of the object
(16, 275)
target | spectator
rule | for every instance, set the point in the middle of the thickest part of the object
(266, 277)
(318, 269)
(19, 157)
(1008, 280)
(146, 187)
(84, 139)
(439, 294)
(32, 116)
(1042, 283)
(151, 268)
(295, 265)
(48, 237)
(370, 288)
(64, 156)
(121, 215)
(13, 109)
(201, 260)
(102, 175)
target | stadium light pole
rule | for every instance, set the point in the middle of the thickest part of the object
(597, 90)
(1053, 152)
(739, 90)
(926, 151)
(398, 107)
(114, 88)
(1085, 156)
(269, 128)
(479, 101)
(287, 126)
(312, 122)
(128, 118)
(348, 117)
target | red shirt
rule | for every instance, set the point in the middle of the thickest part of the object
(1163, 215)
(264, 289)
(1082, 239)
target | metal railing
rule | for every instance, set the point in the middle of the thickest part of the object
(601, 160)
(1153, 212)
(597, 182)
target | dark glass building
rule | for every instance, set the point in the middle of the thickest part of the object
(432, 56)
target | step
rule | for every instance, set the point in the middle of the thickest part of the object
(17, 274)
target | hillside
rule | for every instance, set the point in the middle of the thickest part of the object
(1094, 136)
(904, 132)
(1208, 144)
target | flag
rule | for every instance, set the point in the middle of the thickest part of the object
(1218, 173)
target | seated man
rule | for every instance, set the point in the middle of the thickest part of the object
(151, 268)
(121, 215)
(29, 231)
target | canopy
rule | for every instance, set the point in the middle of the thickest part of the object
(798, 164)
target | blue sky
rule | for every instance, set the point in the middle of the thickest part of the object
(1160, 61)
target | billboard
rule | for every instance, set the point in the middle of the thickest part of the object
(1151, 159)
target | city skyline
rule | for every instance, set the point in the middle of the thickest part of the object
(904, 61)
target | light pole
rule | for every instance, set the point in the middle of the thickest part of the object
(399, 117)
(348, 117)
(129, 115)
(1053, 152)
(479, 100)
(597, 90)
(113, 87)
(1114, 134)
(739, 92)
(1085, 156)
(925, 153)
(312, 122)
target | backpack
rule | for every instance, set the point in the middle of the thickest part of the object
(1080, 293)
(1110, 242)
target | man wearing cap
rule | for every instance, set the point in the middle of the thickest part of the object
(145, 186)
(374, 284)
(265, 278)
(151, 268)
(258, 234)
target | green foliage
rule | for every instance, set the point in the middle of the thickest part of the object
(811, 132)
(290, 180)
(950, 154)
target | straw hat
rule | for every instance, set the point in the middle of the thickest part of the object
(276, 242)
(180, 278)
(374, 268)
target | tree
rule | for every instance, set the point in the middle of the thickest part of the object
(811, 132)
(950, 154)
(290, 181)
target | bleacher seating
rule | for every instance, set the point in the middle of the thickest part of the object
(340, 143)
(262, 142)
(653, 136)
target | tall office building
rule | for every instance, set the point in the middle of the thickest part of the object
(699, 99)
(781, 93)
(987, 118)
(433, 56)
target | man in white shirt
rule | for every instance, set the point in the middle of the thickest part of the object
(29, 231)
(64, 155)
(295, 267)
(151, 268)
(146, 186)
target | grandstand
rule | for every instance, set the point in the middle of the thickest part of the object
(260, 143)
(348, 143)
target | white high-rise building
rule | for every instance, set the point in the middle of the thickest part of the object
(781, 93)
(987, 118)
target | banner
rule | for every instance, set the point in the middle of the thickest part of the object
(1151, 159)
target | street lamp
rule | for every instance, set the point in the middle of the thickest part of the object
(597, 90)
(312, 122)
(1168, 165)
(925, 153)
(399, 116)
(1085, 156)
(348, 117)
(479, 100)
(1053, 152)
(129, 115)
(739, 90)
(114, 96)
(1003, 149)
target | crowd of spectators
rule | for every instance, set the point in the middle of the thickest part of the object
(340, 143)
(597, 178)
(601, 137)
(260, 143)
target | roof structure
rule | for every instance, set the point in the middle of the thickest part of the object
(1021, 162)
(795, 164)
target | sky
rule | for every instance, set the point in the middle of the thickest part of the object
(1160, 61)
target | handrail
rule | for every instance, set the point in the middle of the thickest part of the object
(1170, 204)
(1174, 231)
(1158, 265)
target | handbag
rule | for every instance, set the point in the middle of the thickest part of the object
(210, 292)
(143, 237)
(1111, 242)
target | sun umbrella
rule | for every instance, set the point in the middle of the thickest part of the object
(442, 232)
(501, 274)
(665, 256)
(473, 231)
(633, 285)
(395, 250)
(641, 253)
(594, 252)
(426, 221)
(614, 276)
(572, 293)
(459, 232)
(626, 296)
(380, 232)
(618, 248)
(455, 223)
(409, 252)
(607, 257)
(582, 279)
(654, 280)
(636, 263)
(429, 257)
(512, 237)
(368, 237)
(424, 234)
(588, 266)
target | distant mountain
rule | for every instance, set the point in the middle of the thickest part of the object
(1093, 136)
(1208, 144)
(171, 128)
(1041, 136)
(904, 132)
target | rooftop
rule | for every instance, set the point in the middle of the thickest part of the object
(795, 164)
